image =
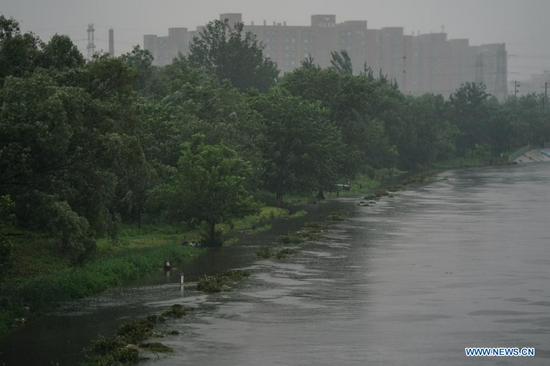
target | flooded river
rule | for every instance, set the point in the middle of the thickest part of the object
(413, 280)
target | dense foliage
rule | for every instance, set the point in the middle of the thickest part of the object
(88, 145)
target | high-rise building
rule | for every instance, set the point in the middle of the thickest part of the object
(422, 63)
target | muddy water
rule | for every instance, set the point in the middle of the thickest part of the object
(413, 280)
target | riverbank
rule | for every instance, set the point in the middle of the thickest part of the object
(42, 279)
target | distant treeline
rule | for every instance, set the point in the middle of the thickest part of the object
(88, 145)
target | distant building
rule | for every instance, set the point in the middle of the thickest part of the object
(427, 63)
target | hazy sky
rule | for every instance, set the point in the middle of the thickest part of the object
(524, 25)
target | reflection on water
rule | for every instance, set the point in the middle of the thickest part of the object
(413, 280)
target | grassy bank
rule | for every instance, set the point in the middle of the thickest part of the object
(35, 295)
(39, 278)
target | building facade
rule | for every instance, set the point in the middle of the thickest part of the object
(422, 63)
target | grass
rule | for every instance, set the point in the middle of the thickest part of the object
(254, 222)
(39, 289)
(77, 283)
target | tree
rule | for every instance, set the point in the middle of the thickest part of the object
(345, 97)
(19, 53)
(142, 62)
(342, 62)
(61, 53)
(232, 55)
(469, 113)
(208, 188)
(301, 146)
(65, 138)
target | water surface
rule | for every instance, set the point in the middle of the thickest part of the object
(413, 280)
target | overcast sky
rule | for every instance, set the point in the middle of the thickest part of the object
(524, 25)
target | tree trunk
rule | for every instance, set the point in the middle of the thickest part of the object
(139, 217)
(212, 236)
(279, 202)
(321, 194)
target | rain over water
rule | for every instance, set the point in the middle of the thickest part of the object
(413, 280)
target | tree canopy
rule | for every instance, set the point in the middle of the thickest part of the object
(228, 53)
(89, 145)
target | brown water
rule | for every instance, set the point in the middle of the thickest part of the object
(461, 262)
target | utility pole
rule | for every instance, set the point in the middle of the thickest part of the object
(545, 96)
(91, 45)
(516, 88)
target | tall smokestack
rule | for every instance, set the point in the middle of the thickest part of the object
(111, 43)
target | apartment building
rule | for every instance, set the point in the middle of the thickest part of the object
(422, 63)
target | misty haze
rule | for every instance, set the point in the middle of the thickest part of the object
(274, 183)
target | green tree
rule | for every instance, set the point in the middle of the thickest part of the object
(65, 138)
(469, 113)
(142, 61)
(208, 188)
(61, 53)
(342, 62)
(427, 137)
(232, 55)
(19, 53)
(301, 146)
(345, 97)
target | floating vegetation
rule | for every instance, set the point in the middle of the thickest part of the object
(286, 252)
(419, 178)
(175, 311)
(337, 216)
(124, 348)
(136, 330)
(156, 319)
(395, 188)
(105, 345)
(112, 351)
(156, 347)
(381, 193)
(264, 252)
(292, 238)
(315, 227)
(221, 281)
